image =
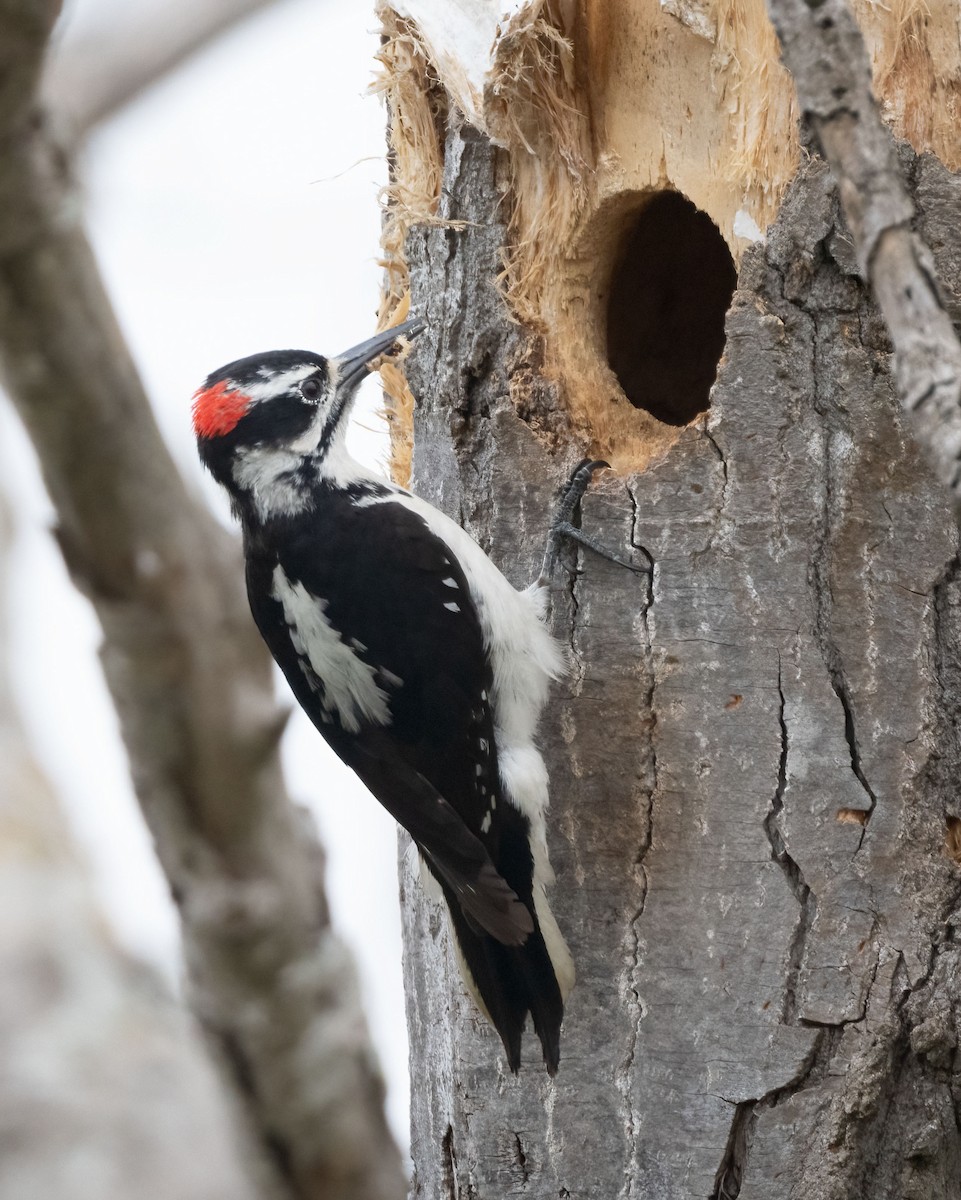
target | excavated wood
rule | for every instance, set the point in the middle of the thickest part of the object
(601, 104)
(753, 759)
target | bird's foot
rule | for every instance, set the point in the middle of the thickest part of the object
(562, 525)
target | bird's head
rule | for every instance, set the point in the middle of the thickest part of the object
(269, 426)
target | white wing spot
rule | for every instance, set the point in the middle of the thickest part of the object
(345, 683)
(450, 581)
(452, 606)
(486, 823)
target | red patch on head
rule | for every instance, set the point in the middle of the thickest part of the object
(217, 409)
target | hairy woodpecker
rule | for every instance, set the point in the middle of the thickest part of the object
(424, 669)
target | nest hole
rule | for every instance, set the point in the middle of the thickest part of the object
(670, 289)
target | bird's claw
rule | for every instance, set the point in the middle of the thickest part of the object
(562, 525)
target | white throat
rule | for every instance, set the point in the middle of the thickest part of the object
(274, 476)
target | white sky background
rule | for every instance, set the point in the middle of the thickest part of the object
(234, 209)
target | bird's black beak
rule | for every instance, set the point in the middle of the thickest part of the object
(351, 365)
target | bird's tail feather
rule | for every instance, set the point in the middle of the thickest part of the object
(508, 982)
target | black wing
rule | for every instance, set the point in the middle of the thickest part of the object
(400, 604)
(397, 597)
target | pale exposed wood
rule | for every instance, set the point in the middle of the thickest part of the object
(417, 109)
(687, 95)
(459, 37)
(915, 51)
(268, 980)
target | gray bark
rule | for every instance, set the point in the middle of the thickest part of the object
(825, 52)
(753, 759)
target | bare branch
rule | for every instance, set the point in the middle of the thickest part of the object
(269, 981)
(96, 71)
(823, 48)
(84, 1030)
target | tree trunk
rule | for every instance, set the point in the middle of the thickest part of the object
(754, 824)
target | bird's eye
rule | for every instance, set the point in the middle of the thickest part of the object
(310, 389)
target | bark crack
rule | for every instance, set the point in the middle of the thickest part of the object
(725, 492)
(575, 659)
(823, 600)
(648, 699)
(727, 1181)
(449, 1166)
(824, 50)
(520, 1158)
(730, 1174)
(831, 656)
(635, 1007)
(814, 1070)
(792, 871)
(948, 736)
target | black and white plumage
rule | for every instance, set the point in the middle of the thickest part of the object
(424, 669)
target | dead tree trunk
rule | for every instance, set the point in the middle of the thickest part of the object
(755, 758)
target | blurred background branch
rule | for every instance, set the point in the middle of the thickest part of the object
(98, 67)
(270, 983)
(104, 1089)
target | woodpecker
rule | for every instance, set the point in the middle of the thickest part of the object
(417, 661)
